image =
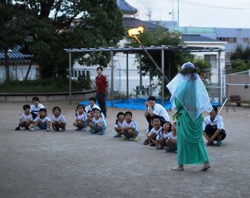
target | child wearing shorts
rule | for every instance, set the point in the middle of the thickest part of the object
(163, 135)
(129, 127)
(81, 118)
(152, 134)
(35, 107)
(42, 120)
(26, 119)
(98, 124)
(172, 140)
(58, 121)
(118, 124)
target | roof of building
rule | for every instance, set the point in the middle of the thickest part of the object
(15, 54)
(134, 23)
(197, 38)
(126, 8)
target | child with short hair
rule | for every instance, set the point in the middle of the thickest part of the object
(42, 120)
(58, 121)
(35, 107)
(129, 127)
(26, 119)
(152, 134)
(98, 124)
(118, 124)
(89, 109)
(81, 118)
(163, 135)
(172, 140)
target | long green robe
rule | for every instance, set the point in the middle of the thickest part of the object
(190, 145)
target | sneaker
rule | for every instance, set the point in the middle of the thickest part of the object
(117, 135)
(32, 129)
(210, 144)
(102, 132)
(84, 129)
(17, 129)
(219, 143)
(48, 129)
(78, 129)
(135, 139)
(124, 138)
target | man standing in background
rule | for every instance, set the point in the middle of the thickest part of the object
(101, 89)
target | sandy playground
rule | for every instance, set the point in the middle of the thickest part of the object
(78, 164)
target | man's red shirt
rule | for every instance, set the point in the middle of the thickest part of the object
(101, 83)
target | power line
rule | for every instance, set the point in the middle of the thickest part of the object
(195, 3)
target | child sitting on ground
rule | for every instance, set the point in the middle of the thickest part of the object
(92, 105)
(152, 134)
(81, 118)
(163, 135)
(172, 140)
(129, 127)
(58, 121)
(98, 124)
(26, 119)
(42, 120)
(35, 107)
(118, 124)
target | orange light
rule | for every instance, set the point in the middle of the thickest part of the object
(135, 31)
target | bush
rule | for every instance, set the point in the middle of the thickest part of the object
(38, 86)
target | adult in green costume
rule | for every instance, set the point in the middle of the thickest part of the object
(189, 99)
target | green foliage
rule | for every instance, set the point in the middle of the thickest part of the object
(84, 82)
(48, 30)
(38, 86)
(240, 59)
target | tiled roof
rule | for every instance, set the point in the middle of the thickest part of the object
(198, 38)
(134, 23)
(14, 54)
(126, 8)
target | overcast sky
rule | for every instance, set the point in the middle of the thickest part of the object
(197, 13)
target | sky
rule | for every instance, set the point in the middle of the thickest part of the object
(196, 13)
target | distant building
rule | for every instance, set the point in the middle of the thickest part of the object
(19, 64)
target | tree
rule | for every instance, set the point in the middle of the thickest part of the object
(240, 59)
(10, 33)
(49, 31)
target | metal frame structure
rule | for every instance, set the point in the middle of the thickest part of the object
(133, 50)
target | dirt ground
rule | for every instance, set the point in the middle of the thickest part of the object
(78, 164)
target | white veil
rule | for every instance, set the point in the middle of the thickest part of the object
(191, 93)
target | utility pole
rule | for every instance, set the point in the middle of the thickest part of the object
(178, 13)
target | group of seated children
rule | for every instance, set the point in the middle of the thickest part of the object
(162, 136)
(35, 116)
(91, 116)
(126, 127)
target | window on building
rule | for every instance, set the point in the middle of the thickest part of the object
(211, 59)
(227, 39)
(245, 40)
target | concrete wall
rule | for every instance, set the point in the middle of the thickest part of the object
(62, 96)
(241, 90)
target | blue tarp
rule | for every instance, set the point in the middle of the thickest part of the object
(137, 103)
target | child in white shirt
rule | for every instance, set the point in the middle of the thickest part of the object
(172, 140)
(26, 119)
(118, 124)
(42, 120)
(98, 124)
(163, 135)
(129, 127)
(58, 121)
(81, 118)
(35, 107)
(152, 134)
